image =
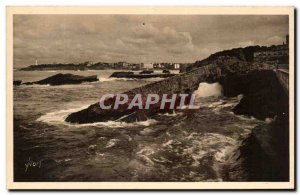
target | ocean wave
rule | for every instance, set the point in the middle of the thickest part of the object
(207, 90)
(213, 143)
(35, 86)
(58, 117)
(101, 79)
(170, 114)
(111, 143)
(82, 85)
(115, 124)
(144, 155)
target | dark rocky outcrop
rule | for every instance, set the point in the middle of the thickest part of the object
(131, 75)
(17, 82)
(147, 72)
(245, 54)
(264, 155)
(121, 74)
(57, 66)
(64, 79)
(263, 95)
(185, 83)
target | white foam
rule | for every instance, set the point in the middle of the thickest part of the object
(101, 79)
(268, 120)
(240, 97)
(168, 143)
(66, 86)
(116, 124)
(58, 117)
(111, 143)
(204, 143)
(35, 86)
(207, 90)
(172, 114)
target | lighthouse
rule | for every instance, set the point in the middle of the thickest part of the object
(36, 63)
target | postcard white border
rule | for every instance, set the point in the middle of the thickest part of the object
(10, 11)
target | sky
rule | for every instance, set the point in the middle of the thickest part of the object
(138, 38)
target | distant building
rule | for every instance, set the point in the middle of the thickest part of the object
(121, 65)
(176, 66)
(276, 54)
(134, 66)
(157, 66)
(182, 68)
(148, 65)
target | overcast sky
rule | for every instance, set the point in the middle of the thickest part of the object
(138, 38)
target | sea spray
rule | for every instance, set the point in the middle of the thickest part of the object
(207, 90)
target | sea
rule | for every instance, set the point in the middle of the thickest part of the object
(182, 146)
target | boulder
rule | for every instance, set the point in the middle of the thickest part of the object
(121, 74)
(147, 72)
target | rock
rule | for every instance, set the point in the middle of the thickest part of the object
(143, 75)
(263, 95)
(92, 149)
(249, 83)
(264, 154)
(17, 82)
(147, 72)
(166, 72)
(64, 79)
(121, 74)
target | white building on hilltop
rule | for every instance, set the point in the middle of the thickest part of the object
(147, 65)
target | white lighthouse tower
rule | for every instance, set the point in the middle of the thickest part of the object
(36, 62)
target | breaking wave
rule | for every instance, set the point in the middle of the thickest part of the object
(58, 117)
(207, 90)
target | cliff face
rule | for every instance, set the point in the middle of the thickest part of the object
(264, 155)
(263, 95)
(245, 55)
(265, 152)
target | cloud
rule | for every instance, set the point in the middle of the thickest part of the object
(138, 38)
(246, 43)
(275, 40)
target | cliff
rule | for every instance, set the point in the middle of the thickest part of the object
(264, 155)
(242, 54)
(265, 152)
(263, 95)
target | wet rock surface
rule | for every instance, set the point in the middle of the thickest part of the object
(17, 82)
(262, 94)
(64, 79)
(263, 156)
